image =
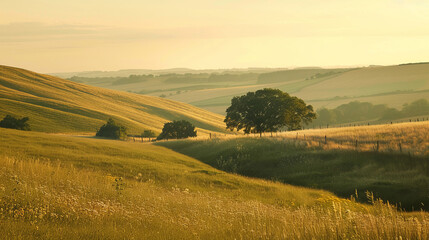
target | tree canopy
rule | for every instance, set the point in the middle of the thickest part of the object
(112, 130)
(364, 111)
(177, 130)
(267, 110)
(15, 123)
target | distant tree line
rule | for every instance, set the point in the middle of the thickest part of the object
(172, 78)
(296, 74)
(113, 80)
(364, 111)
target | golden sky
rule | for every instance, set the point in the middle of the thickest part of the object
(79, 35)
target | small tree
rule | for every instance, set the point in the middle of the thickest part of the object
(112, 130)
(15, 123)
(148, 134)
(177, 130)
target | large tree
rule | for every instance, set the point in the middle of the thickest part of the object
(267, 110)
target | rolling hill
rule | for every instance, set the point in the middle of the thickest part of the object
(67, 187)
(351, 160)
(57, 105)
(391, 85)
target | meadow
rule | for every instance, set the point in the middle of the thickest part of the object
(389, 160)
(65, 187)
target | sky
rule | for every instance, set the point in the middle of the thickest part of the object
(84, 35)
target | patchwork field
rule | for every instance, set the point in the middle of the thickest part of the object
(391, 85)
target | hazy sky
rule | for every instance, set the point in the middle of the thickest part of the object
(77, 35)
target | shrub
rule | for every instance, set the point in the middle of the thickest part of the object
(112, 130)
(177, 130)
(15, 123)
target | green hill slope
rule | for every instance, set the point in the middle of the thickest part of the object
(340, 171)
(64, 187)
(57, 105)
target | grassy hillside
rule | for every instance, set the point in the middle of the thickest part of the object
(62, 187)
(339, 165)
(57, 105)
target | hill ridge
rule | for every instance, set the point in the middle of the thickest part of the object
(49, 99)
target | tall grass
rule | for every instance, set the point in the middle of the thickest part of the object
(50, 201)
(402, 179)
(408, 138)
(62, 187)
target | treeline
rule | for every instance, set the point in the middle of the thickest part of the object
(113, 80)
(365, 111)
(297, 74)
(210, 78)
(192, 78)
(172, 78)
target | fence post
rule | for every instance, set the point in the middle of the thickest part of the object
(326, 140)
(400, 147)
(378, 145)
(210, 134)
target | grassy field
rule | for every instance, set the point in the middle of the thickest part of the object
(57, 105)
(303, 158)
(406, 138)
(62, 187)
(391, 85)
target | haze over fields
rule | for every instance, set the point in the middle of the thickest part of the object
(200, 119)
(66, 36)
(213, 90)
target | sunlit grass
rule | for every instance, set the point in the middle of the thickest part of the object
(56, 105)
(78, 188)
(404, 138)
(337, 165)
(45, 200)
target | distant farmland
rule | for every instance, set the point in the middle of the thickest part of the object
(391, 85)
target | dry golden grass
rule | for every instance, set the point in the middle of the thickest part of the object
(43, 200)
(62, 187)
(412, 138)
(57, 105)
